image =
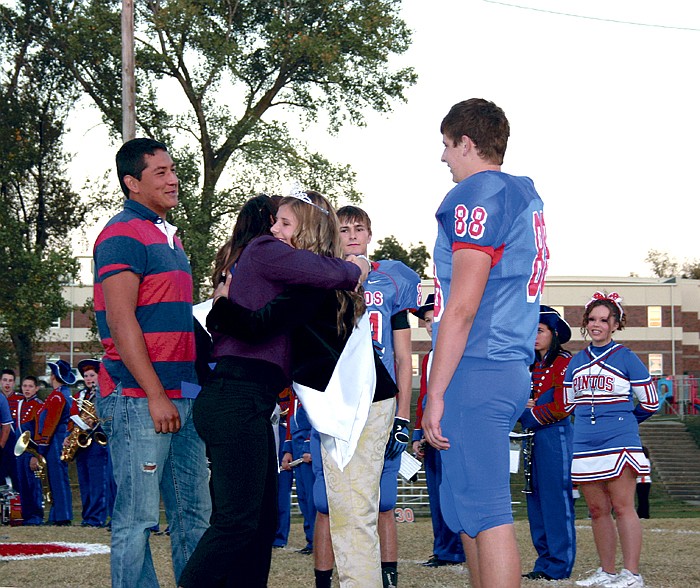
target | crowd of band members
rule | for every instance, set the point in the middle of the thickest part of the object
(46, 496)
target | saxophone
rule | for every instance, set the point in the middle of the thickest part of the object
(82, 434)
(25, 443)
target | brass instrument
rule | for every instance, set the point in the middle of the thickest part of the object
(25, 443)
(82, 434)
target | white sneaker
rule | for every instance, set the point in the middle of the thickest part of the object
(598, 578)
(625, 579)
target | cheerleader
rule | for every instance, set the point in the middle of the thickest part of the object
(601, 384)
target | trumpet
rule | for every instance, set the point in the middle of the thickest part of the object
(25, 443)
(82, 434)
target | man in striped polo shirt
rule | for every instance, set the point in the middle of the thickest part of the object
(143, 304)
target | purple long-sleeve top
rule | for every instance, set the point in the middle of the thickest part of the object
(266, 267)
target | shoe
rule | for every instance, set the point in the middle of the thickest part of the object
(61, 523)
(278, 547)
(435, 562)
(598, 578)
(625, 579)
(537, 576)
(306, 550)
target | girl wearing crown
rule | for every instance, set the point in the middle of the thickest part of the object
(232, 412)
(602, 383)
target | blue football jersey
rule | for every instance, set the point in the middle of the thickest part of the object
(391, 287)
(502, 216)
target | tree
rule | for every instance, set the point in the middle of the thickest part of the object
(662, 264)
(665, 266)
(37, 207)
(414, 257)
(236, 67)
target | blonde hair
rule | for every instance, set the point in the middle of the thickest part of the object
(318, 230)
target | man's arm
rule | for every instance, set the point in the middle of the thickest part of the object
(470, 272)
(404, 371)
(4, 435)
(121, 296)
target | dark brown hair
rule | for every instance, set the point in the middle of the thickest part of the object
(483, 122)
(254, 220)
(615, 313)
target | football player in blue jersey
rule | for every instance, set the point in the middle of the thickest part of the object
(391, 290)
(490, 262)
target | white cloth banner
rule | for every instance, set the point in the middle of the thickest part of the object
(340, 412)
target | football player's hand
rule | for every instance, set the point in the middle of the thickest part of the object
(398, 440)
(432, 415)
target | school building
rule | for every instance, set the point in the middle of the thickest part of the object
(663, 318)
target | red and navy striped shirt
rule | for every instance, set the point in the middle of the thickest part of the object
(131, 241)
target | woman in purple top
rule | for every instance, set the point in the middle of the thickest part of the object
(232, 412)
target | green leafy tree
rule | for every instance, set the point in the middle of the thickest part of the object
(665, 266)
(414, 257)
(236, 69)
(38, 209)
(662, 264)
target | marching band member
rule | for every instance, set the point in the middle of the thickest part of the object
(8, 472)
(94, 465)
(550, 506)
(286, 477)
(447, 546)
(24, 416)
(51, 430)
(298, 446)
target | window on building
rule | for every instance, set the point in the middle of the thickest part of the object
(653, 316)
(56, 324)
(656, 364)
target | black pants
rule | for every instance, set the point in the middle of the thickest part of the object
(643, 500)
(232, 415)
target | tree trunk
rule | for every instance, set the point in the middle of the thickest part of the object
(24, 349)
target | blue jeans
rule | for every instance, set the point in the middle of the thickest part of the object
(147, 465)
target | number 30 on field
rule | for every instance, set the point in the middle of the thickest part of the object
(404, 515)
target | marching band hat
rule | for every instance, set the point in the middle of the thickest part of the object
(558, 325)
(429, 305)
(89, 364)
(62, 371)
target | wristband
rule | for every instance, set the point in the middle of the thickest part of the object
(369, 263)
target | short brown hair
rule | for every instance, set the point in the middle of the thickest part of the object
(483, 122)
(354, 214)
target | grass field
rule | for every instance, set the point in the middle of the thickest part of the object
(669, 559)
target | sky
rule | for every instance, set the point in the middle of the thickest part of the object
(602, 99)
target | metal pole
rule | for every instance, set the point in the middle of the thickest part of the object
(128, 67)
(673, 329)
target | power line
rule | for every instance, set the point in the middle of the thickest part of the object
(598, 18)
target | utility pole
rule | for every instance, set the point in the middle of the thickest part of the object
(128, 67)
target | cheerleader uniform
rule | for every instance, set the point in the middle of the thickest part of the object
(601, 384)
